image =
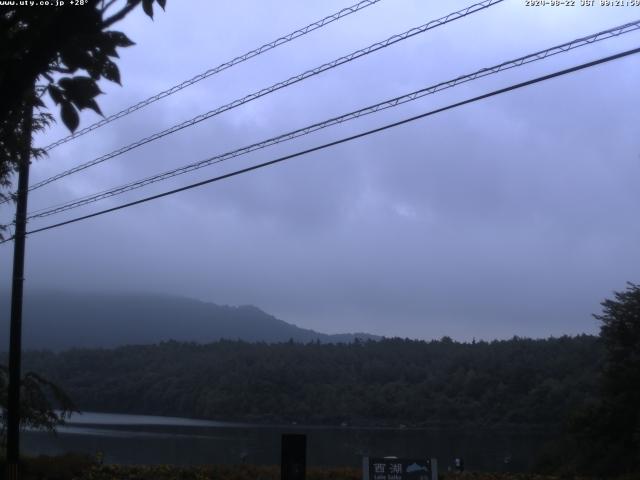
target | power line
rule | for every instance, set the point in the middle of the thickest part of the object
(223, 66)
(277, 86)
(344, 140)
(539, 55)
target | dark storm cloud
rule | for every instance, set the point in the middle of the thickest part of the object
(509, 216)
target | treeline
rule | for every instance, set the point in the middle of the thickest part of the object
(389, 382)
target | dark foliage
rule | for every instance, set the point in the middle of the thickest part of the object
(81, 467)
(71, 466)
(607, 431)
(393, 381)
(43, 404)
(57, 51)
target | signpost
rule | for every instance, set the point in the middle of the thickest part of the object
(390, 468)
(294, 457)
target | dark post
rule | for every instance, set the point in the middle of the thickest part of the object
(15, 335)
(294, 457)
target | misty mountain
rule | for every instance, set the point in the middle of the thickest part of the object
(62, 320)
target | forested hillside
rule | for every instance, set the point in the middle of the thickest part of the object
(519, 381)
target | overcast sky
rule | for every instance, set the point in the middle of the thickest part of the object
(516, 215)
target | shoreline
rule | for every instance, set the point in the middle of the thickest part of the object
(119, 419)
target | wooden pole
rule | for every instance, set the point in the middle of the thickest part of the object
(15, 335)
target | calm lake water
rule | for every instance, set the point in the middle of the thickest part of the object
(131, 439)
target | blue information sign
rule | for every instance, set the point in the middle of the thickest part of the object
(399, 469)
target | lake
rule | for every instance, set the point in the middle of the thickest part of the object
(140, 439)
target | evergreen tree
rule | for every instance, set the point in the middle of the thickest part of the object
(620, 410)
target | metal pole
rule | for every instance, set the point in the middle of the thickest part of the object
(15, 335)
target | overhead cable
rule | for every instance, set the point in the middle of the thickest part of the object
(223, 66)
(532, 57)
(342, 140)
(277, 86)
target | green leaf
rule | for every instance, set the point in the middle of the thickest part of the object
(107, 46)
(69, 116)
(56, 94)
(94, 71)
(110, 71)
(75, 58)
(119, 39)
(93, 105)
(79, 89)
(147, 6)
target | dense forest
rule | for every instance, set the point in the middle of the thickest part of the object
(389, 382)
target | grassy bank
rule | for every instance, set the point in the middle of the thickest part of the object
(79, 467)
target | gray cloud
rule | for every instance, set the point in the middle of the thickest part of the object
(509, 216)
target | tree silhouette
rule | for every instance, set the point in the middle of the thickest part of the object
(63, 52)
(607, 431)
(58, 51)
(36, 409)
(620, 332)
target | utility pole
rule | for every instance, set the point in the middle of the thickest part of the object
(15, 335)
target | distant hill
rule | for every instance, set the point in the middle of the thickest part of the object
(62, 320)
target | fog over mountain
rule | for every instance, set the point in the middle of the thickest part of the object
(62, 320)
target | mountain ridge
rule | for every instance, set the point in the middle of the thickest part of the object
(107, 320)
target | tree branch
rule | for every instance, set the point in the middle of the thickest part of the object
(61, 70)
(116, 17)
(107, 6)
